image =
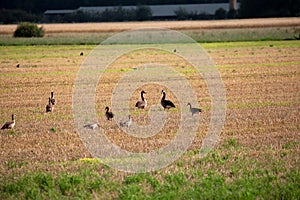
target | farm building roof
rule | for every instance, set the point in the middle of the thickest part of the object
(167, 10)
(157, 10)
(49, 12)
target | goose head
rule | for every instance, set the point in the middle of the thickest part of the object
(163, 95)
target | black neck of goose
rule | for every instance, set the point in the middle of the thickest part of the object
(164, 96)
(12, 117)
(142, 96)
(51, 94)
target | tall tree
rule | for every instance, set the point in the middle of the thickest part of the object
(269, 8)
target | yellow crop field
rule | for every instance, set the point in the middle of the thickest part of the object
(177, 25)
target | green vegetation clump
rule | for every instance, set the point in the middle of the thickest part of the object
(27, 29)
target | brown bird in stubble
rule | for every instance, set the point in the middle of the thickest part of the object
(92, 126)
(194, 110)
(126, 123)
(143, 103)
(53, 102)
(9, 124)
(166, 104)
(109, 115)
(49, 106)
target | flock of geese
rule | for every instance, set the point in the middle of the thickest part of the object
(166, 104)
(49, 108)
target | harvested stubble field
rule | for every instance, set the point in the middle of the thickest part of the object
(177, 25)
(257, 155)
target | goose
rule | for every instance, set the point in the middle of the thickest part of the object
(194, 110)
(92, 126)
(9, 124)
(52, 99)
(109, 115)
(142, 104)
(126, 123)
(166, 103)
(49, 106)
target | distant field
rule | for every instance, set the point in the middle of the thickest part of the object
(177, 25)
(201, 31)
(257, 156)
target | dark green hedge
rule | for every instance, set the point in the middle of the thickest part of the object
(27, 29)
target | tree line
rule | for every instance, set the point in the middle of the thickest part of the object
(269, 8)
(15, 11)
(118, 14)
(38, 6)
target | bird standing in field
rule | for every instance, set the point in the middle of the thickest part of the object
(109, 115)
(53, 102)
(194, 110)
(126, 123)
(143, 103)
(49, 106)
(92, 126)
(9, 124)
(166, 104)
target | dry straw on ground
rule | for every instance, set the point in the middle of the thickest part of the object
(262, 84)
